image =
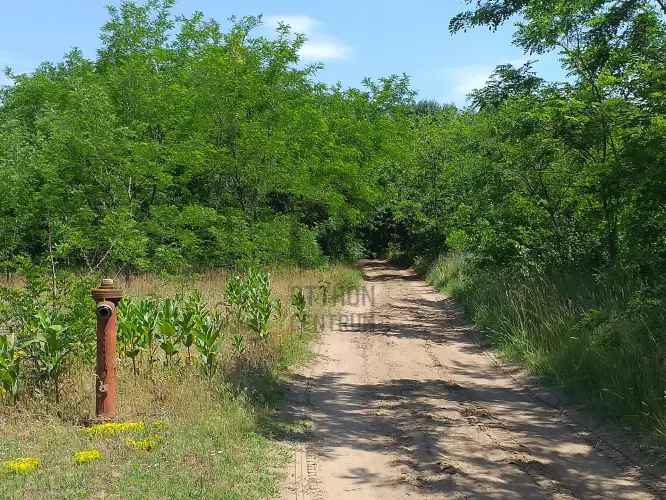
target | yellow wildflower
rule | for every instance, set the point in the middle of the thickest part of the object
(143, 444)
(84, 456)
(21, 465)
(112, 428)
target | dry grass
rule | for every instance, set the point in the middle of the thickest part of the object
(209, 433)
(285, 345)
(211, 283)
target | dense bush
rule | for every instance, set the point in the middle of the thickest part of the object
(183, 145)
(541, 177)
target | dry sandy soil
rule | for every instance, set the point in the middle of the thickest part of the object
(403, 401)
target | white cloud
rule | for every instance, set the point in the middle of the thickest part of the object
(462, 80)
(465, 79)
(299, 24)
(319, 45)
(324, 51)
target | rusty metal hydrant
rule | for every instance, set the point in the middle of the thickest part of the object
(107, 297)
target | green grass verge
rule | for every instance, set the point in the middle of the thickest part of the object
(602, 342)
(206, 443)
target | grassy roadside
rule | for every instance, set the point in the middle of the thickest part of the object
(599, 341)
(205, 438)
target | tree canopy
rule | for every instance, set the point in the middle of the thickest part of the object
(189, 144)
(186, 144)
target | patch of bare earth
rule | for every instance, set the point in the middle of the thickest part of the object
(404, 402)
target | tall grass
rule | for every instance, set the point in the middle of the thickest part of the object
(602, 341)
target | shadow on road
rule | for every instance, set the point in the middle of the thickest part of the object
(440, 431)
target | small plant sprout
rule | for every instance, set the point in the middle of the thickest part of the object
(300, 306)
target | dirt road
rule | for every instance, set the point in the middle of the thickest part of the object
(403, 402)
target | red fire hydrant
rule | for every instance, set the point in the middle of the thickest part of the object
(107, 297)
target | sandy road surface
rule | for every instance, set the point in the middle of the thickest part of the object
(402, 402)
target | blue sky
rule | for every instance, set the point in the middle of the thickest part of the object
(353, 39)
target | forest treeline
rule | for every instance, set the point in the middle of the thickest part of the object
(186, 144)
(183, 143)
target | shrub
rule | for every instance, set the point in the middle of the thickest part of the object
(85, 456)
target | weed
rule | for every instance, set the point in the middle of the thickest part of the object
(21, 465)
(113, 428)
(211, 427)
(85, 456)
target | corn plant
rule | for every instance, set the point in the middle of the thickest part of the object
(209, 333)
(10, 366)
(235, 296)
(300, 305)
(130, 334)
(167, 331)
(258, 316)
(50, 348)
(238, 342)
(137, 328)
(148, 321)
(250, 301)
(192, 315)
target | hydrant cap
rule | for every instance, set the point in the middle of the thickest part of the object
(106, 291)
